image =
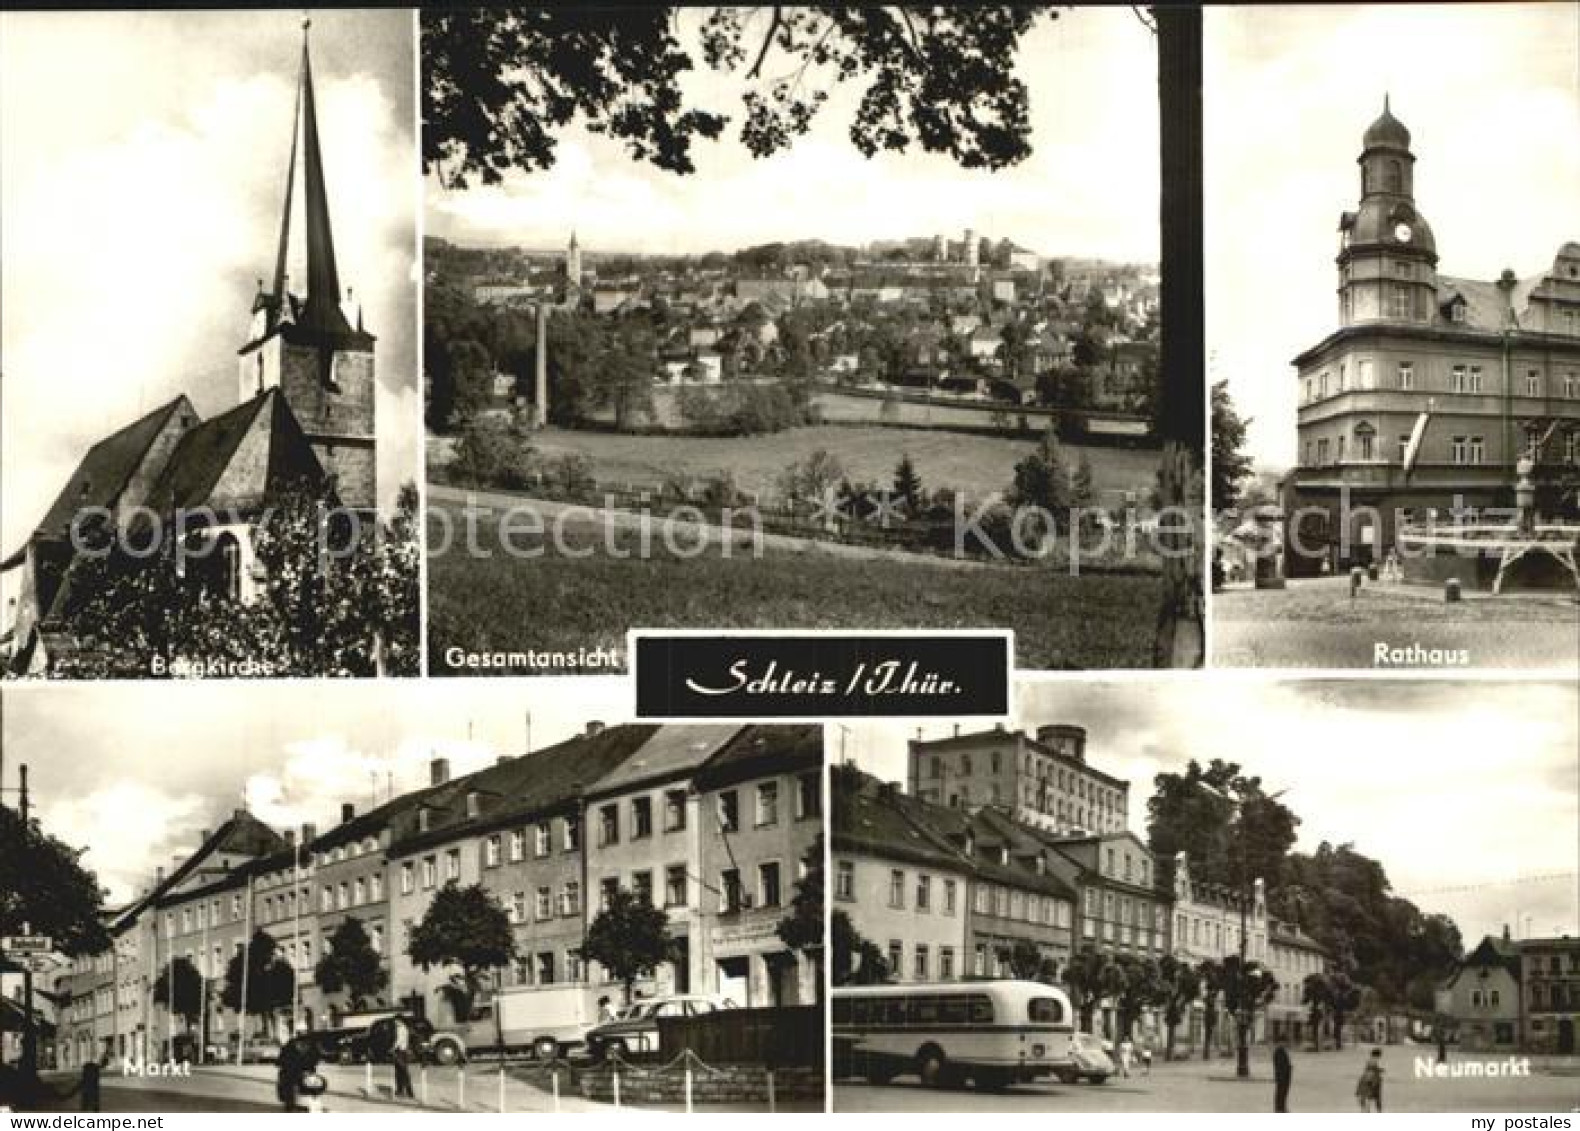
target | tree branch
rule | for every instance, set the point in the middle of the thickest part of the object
(768, 42)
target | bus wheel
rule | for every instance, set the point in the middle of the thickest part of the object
(546, 1048)
(931, 1067)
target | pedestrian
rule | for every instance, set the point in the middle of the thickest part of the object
(1127, 1052)
(400, 1057)
(1146, 1056)
(1283, 1076)
(1442, 1047)
(88, 1086)
(1369, 1089)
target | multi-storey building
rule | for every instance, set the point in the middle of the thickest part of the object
(644, 832)
(1043, 781)
(903, 887)
(1486, 371)
(1550, 978)
(1014, 899)
(761, 807)
(1119, 906)
(1293, 956)
(1205, 926)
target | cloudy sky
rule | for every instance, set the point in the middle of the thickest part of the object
(1089, 189)
(142, 164)
(1450, 785)
(136, 772)
(1490, 93)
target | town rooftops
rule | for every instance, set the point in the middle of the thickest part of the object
(866, 818)
(758, 750)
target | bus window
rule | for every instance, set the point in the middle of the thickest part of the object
(894, 1011)
(843, 1011)
(954, 1011)
(1049, 1010)
(981, 1010)
(924, 1011)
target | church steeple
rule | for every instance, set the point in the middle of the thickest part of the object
(319, 308)
(312, 345)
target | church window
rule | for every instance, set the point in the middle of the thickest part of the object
(229, 566)
(1406, 375)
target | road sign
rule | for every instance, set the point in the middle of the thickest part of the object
(26, 944)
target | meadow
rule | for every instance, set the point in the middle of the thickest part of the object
(562, 603)
(976, 465)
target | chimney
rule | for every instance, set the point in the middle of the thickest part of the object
(594, 728)
(309, 833)
(540, 369)
(290, 837)
(239, 815)
(159, 876)
(999, 727)
(347, 811)
(957, 730)
(438, 771)
(1506, 932)
(204, 835)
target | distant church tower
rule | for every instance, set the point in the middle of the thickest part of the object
(1387, 255)
(310, 343)
(573, 272)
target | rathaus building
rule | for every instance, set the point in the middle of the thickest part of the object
(1432, 387)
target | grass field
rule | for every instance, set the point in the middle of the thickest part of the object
(552, 603)
(977, 465)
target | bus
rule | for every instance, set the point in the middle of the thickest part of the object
(992, 1033)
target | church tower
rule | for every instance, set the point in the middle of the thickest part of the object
(1387, 255)
(310, 343)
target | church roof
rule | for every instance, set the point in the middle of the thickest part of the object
(204, 471)
(107, 468)
(1387, 132)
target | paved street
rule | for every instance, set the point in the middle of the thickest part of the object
(1322, 1082)
(1314, 623)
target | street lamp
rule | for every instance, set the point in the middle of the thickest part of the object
(1244, 1015)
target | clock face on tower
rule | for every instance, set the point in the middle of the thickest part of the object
(1401, 232)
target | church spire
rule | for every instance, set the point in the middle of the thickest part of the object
(320, 305)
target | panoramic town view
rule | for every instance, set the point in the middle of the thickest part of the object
(496, 904)
(1209, 928)
(931, 402)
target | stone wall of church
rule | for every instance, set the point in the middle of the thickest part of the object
(340, 424)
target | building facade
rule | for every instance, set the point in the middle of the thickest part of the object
(1483, 997)
(1043, 781)
(1550, 978)
(1433, 386)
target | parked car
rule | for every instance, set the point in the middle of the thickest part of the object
(634, 1031)
(1089, 1060)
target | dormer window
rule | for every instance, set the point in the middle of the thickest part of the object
(1456, 312)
